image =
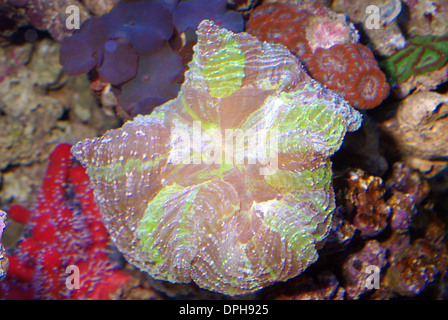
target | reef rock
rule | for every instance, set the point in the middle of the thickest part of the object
(185, 203)
(419, 130)
(386, 37)
(51, 15)
(426, 17)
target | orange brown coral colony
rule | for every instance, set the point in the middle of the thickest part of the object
(351, 70)
(285, 26)
(347, 68)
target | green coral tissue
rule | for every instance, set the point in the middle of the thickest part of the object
(230, 184)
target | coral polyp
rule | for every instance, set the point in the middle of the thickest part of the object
(352, 71)
(369, 89)
(229, 185)
(326, 43)
(422, 54)
(333, 64)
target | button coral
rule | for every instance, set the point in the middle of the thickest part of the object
(352, 71)
(325, 43)
(421, 55)
(185, 204)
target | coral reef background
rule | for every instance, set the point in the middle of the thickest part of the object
(59, 86)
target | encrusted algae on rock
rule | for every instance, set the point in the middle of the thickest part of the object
(34, 95)
(194, 210)
(39, 107)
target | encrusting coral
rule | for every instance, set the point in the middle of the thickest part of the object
(409, 255)
(326, 43)
(64, 230)
(194, 210)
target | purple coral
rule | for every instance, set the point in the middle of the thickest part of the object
(154, 84)
(115, 59)
(115, 42)
(146, 24)
(130, 47)
(111, 43)
(189, 14)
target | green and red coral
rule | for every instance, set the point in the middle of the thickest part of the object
(422, 54)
